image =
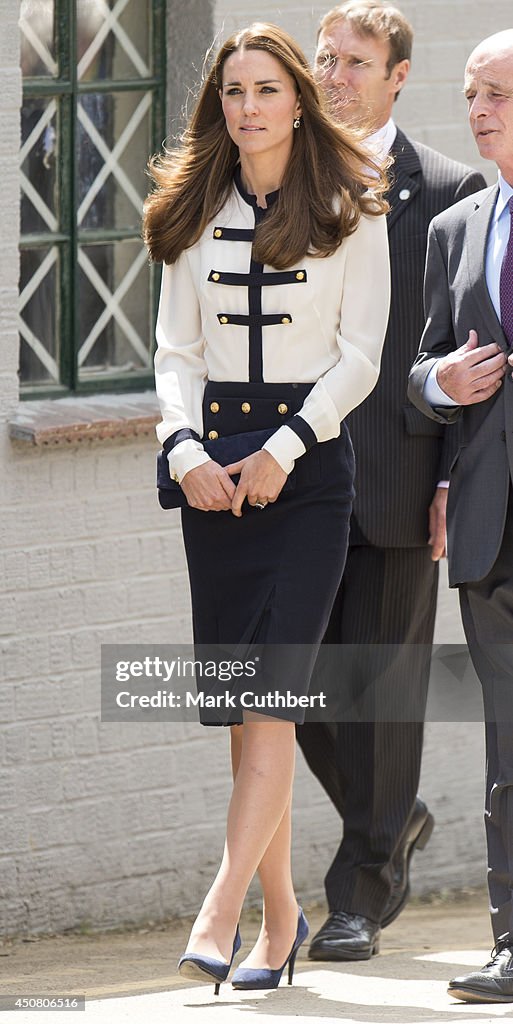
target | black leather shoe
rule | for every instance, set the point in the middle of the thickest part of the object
(418, 833)
(345, 937)
(493, 983)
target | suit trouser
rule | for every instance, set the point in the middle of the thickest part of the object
(371, 769)
(487, 612)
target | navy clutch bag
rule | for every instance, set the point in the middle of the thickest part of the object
(223, 450)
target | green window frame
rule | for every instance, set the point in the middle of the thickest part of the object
(88, 296)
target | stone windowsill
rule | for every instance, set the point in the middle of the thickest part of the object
(66, 421)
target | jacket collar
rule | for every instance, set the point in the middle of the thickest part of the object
(248, 197)
(404, 177)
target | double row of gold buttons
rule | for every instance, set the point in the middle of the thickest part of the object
(245, 408)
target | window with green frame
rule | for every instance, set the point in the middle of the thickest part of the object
(93, 110)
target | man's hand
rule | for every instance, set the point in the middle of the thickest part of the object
(261, 480)
(472, 374)
(208, 487)
(437, 511)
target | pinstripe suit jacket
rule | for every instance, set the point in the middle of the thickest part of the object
(400, 454)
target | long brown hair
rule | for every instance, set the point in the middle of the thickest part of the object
(324, 189)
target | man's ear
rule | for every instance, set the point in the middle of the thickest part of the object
(400, 74)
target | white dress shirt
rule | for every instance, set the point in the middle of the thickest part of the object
(382, 140)
(496, 243)
(329, 327)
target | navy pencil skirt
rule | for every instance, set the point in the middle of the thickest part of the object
(264, 584)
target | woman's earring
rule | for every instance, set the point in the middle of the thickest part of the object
(297, 122)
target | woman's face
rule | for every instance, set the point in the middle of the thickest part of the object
(260, 102)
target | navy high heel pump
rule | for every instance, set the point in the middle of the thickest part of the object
(265, 977)
(206, 968)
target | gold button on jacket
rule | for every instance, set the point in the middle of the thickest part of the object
(282, 408)
(213, 435)
(218, 233)
(215, 277)
(214, 407)
(246, 407)
(285, 319)
(300, 276)
(223, 319)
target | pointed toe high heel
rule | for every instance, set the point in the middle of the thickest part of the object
(206, 968)
(265, 977)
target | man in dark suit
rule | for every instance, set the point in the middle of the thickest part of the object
(388, 593)
(462, 373)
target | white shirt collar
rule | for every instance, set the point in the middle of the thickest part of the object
(381, 142)
(504, 196)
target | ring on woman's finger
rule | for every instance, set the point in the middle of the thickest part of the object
(260, 504)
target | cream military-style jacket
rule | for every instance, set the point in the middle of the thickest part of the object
(224, 317)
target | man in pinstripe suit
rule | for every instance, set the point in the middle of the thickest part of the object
(388, 593)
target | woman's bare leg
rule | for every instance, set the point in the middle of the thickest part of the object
(279, 918)
(260, 798)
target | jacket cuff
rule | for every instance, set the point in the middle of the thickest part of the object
(433, 393)
(184, 457)
(285, 446)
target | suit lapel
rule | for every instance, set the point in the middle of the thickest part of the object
(404, 177)
(478, 226)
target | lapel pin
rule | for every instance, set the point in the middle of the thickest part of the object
(404, 193)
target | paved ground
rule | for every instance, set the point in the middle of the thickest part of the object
(129, 977)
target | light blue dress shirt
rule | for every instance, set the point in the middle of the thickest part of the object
(498, 236)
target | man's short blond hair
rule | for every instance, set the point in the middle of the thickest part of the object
(371, 18)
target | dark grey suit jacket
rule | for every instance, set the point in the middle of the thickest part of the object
(400, 455)
(457, 300)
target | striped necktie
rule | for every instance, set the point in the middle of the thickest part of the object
(506, 283)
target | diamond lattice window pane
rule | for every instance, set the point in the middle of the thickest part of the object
(113, 39)
(113, 140)
(37, 38)
(113, 309)
(38, 162)
(39, 315)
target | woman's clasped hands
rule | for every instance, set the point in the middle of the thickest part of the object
(209, 487)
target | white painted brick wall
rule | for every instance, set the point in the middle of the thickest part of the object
(104, 823)
(10, 90)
